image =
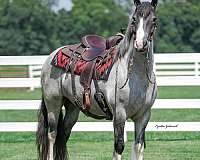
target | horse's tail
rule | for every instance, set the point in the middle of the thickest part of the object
(42, 132)
(42, 135)
(61, 138)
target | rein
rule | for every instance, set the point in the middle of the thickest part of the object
(147, 66)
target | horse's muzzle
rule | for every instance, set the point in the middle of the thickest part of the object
(141, 46)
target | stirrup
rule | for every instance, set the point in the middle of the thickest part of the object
(100, 99)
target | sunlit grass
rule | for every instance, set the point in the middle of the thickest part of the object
(99, 146)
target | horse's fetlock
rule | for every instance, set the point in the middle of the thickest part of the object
(119, 146)
(139, 149)
(52, 136)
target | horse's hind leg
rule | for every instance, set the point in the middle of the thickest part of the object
(139, 145)
(49, 116)
(54, 118)
(119, 124)
(71, 117)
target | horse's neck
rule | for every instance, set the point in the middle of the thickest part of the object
(142, 64)
(141, 68)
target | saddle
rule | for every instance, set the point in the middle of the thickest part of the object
(93, 49)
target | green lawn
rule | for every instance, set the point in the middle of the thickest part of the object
(13, 71)
(99, 146)
(166, 115)
(20, 94)
(157, 115)
(163, 92)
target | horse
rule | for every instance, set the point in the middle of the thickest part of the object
(130, 91)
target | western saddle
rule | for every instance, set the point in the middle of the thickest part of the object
(93, 49)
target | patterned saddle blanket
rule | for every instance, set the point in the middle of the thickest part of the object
(62, 60)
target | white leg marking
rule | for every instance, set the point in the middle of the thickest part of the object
(138, 151)
(117, 156)
(51, 144)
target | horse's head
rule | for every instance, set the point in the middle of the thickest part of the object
(143, 24)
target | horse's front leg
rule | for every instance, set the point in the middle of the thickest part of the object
(139, 145)
(119, 124)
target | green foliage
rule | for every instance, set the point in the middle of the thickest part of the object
(32, 27)
(178, 26)
(26, 27)
(97, 17)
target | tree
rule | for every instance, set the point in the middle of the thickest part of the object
(178, 26)
(32, 27)
(97, 17)
(26, 27)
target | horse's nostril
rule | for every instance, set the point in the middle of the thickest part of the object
(138, 44)
(145, 44)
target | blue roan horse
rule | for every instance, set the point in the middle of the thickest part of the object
(134, 65)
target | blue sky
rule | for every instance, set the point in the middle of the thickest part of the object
(64, 4)
(67, 4)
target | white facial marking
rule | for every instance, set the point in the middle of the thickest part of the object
(140, 34)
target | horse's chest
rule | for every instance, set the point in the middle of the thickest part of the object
(138, 92)
(137, 96)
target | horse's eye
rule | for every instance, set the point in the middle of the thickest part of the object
(154, 20)
(133, 20)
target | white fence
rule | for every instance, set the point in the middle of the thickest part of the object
(170, 69)
(104, 126)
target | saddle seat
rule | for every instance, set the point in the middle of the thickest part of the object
(95, 47)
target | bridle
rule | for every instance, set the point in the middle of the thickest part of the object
(133, 28)
(131, 60)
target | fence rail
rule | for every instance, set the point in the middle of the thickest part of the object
(159, 104)
(105, 126)
(170, 69)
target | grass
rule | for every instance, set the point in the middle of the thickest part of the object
(99, 146)
(191, 92)
(190, 115)
(157, 115)
(13, 71)
(21, 94)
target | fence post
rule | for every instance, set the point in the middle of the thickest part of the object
(125, 134)
(30, 74)
(196, 68)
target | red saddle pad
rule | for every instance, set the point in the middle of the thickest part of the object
(61, 60)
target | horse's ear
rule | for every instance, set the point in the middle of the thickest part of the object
(137, 2)
(154, 3)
